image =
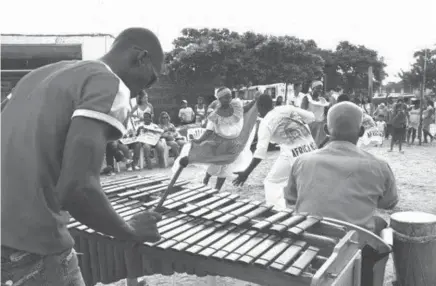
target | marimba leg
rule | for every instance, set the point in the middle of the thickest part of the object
(132, 282)
(211, 280)
(173, 280)
(141, 158)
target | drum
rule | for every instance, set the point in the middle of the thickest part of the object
(414, 248)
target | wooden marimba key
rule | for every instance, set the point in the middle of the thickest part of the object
(209, 233)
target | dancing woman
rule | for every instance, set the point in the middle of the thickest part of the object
(224, 127)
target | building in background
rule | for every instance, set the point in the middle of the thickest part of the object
(21, 53)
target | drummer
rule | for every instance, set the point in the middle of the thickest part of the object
(342, 181)
(54, 134)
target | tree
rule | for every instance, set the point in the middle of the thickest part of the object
(235, 60)
(347, 66)
(414, 77)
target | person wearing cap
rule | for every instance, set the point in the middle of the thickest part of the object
(186, 114)
(317, 104)
(288, 127)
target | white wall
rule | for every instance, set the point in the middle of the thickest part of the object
(92, 47)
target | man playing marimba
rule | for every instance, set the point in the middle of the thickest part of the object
(54, 133)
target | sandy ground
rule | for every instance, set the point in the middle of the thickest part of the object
(415, 172)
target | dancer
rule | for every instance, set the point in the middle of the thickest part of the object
(287, 126)
(226, 121)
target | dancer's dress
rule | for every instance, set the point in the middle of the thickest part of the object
(227, 149)
(226, 131)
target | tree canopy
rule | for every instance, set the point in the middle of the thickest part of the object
(414, 76)
(232, 59)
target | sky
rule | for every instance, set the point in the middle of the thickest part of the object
(393, 28)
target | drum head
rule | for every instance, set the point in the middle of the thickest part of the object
(414, 217)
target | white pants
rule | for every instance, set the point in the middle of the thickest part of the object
(277, 178)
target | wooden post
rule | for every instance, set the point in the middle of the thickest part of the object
(422, 99)
(370, 90)
(286, 94)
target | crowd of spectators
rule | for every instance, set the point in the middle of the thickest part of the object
(142, 118)
(399, 119)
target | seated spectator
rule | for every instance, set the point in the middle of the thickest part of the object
(171, 136)
(119, 152)
(142, 106)
(159, 147)
(186, 114)
(342, 181)
(200, 110)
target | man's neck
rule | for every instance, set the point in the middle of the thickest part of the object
(352, 141)
(111, 62)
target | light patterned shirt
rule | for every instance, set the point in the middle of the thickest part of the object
(341, 181)
(281, 126)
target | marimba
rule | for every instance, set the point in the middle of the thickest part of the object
(206, 232)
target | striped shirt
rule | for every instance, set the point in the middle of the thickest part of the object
(35, 125)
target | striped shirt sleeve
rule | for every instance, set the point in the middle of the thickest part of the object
(104, 97)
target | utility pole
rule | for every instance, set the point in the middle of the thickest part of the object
(370, 90)
(422, 99)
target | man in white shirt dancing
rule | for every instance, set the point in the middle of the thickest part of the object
(287, 126)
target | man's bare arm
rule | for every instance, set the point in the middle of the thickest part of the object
(79, 182)
(305, 103)
(249, 105)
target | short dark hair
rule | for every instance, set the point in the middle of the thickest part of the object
(343, 97)
(265, 101)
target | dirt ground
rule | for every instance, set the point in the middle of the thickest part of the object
(415, 172)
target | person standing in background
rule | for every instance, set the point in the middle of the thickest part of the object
(316, 104)
(186, 114)
(279, 100)
(413, 122)
(297, 97)
(399, 122)
(428, 118)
